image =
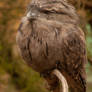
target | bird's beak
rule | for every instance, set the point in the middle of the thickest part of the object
(28, 15)
(31, 16)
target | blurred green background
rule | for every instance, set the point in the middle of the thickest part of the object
(15, 75)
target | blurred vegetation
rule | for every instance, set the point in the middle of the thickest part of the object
(15, 75)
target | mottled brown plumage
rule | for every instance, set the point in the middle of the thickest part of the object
(50, 37)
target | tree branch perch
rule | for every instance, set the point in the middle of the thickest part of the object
(62, 79)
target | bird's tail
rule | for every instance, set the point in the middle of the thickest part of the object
(62, 79)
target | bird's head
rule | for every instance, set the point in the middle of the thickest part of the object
(39, 8)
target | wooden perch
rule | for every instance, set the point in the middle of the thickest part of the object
(62, 79)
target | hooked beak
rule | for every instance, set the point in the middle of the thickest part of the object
(31, 16)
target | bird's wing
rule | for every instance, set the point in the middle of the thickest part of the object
(75, 53)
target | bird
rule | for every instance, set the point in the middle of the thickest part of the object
(49, 37)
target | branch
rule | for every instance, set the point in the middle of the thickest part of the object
(62, 79)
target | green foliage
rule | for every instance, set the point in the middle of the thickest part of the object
(89, 53)
(89, 40)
